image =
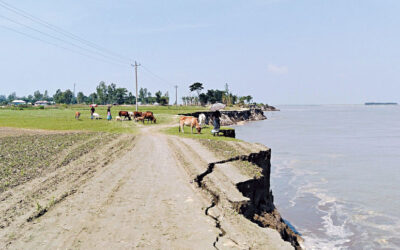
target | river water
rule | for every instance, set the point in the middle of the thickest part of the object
(335, 172)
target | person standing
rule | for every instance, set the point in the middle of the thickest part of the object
(91, 112)
(216, 122)
(109, 117)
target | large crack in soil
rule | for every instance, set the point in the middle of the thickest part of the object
(260, 208)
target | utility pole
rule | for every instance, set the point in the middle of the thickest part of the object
(176, 95)
(136, 65)
(74, 95)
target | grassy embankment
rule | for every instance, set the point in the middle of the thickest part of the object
(63, 118)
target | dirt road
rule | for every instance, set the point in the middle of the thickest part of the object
(144, 199)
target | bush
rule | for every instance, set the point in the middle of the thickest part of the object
(40, 107)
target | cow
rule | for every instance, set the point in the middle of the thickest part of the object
(77, 115)
(202, 120)
(137, 114)
(189, 121)
(148, 115)
(96, 116)
(124, 114)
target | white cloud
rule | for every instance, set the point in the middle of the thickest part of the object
(279, 70)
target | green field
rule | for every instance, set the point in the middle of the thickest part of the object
(63, 118)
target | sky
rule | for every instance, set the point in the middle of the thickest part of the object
(278, 51)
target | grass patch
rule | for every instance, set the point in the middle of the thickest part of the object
(205, 133)
(62, 117)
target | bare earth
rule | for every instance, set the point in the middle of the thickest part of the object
(145, 198)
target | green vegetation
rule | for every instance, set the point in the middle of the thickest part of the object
(205, 133)
(62, 117)
(25, 157)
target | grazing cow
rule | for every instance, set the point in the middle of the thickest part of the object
(202, 120)
(96, 116)
(124, 114)
(137, 114)
(140, 118)
(77, 115)
(189, 121)
(148, 115)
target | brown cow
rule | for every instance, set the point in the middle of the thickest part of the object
(77, 115)
(148, 115)
(189, 121)
(124, 114)
(137, 114)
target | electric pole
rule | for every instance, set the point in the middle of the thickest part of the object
(176, 95)
(74, 90)
(136, 65)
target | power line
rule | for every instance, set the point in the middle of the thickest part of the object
(54, 37)
(57, 45)
(61, 31)
(155, 75)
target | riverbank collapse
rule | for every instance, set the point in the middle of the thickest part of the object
(232, 117)
(258, 207)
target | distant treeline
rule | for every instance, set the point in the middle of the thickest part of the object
(110, 94)
(212, 96)
(104, 94)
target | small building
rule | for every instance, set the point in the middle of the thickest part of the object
(41, 103)
(18, 102)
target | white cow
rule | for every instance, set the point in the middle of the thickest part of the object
(202, 120)
(96, 116)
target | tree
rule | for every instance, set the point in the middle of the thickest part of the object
(142, 95)
(3, 99)
(111, 93)
(92, 98)
(68, 96)
(37, 96)
(11, 97)
(197, 86)
(249, 98)
(203, 98)
(158, 96)
(214, 95)
(120, 95)
(101, 93)
(80, 98)
(46, 96)
(58, 97)
(131, 98)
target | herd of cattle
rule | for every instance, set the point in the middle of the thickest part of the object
(123, 115)
(137, 116)
(189, 121)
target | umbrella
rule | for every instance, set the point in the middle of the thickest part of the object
(93, 105)
(217, 106)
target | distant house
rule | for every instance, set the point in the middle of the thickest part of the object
(18, 102)
(42, 103)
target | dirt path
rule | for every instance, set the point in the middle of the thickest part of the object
(141, 200)
(145, 199)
